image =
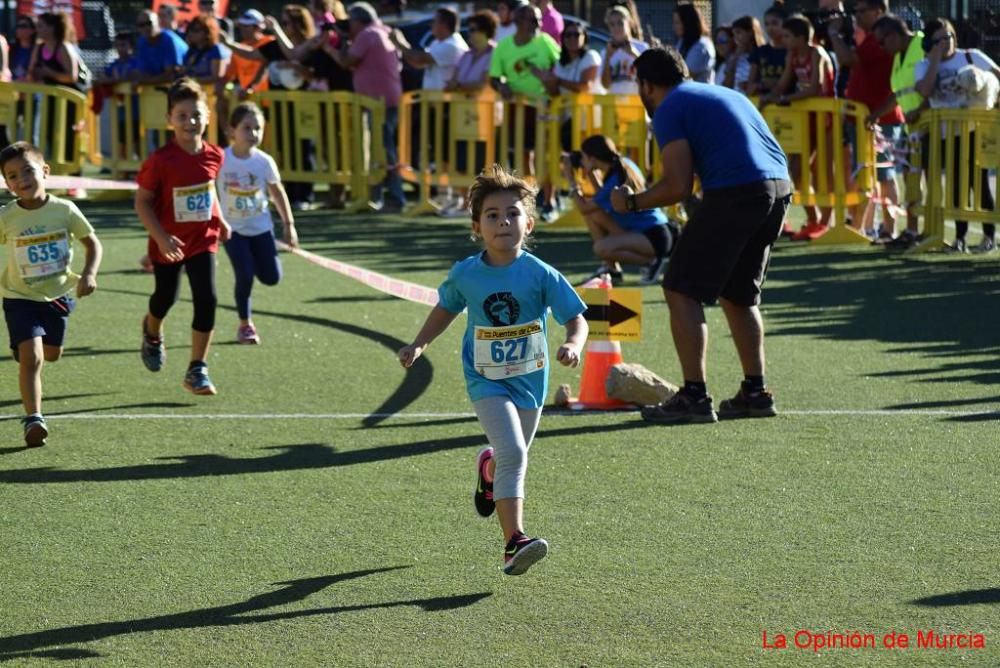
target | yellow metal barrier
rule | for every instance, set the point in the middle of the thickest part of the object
(951, 134)
(336, 124)
(458, 134)
(41, 114)
(137, 112)
(812, 132)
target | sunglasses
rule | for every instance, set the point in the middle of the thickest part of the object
(945, 38)
(144, 24)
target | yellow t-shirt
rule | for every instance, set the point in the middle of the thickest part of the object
(40, 249)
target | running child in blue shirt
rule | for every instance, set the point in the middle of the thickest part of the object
(508, 293)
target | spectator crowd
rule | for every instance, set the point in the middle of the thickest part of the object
(863, 52)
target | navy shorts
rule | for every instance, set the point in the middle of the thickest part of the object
(27, 319)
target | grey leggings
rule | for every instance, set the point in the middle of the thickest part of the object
(510, 431)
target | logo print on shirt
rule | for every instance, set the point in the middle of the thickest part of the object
(501, 308)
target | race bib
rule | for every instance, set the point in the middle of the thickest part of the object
(505, 352)
(39, 256)
(193, 204)
(243, 203)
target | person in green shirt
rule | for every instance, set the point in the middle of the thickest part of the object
(516, 68)
(517, 59)
(895, 38)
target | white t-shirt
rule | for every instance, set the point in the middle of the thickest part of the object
(949, 92)
(574, 70)
(622, 67)
(445, 53)
(242, 185)
(504, 31)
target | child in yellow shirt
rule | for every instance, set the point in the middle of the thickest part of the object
(38, 230)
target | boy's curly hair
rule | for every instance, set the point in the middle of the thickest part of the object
(498, 179)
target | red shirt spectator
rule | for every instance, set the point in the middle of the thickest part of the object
(378, 66)
(178, 176)
(869, 80)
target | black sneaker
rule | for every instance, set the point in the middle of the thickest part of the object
(616, 276)
(35, 431)
(681, 409)
(746, 404)
(153, 352)
(904, 241)
(522, 553)
(483, 496)
(653, 272)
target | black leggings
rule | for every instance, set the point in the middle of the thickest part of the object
(201, 275)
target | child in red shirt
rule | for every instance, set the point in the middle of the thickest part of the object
(177, 204)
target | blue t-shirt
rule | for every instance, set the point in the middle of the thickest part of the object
(497, 297)
(639, 221)
(120, 69)
(731, 144)
(198, 62)
(20, 59)
(169, 51)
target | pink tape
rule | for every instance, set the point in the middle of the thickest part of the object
(412, 292)
(68, 182)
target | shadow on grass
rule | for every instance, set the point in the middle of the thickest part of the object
(59, 397)
(235, 614)
(931, 308)
(969, 597)
(288, 458)
(415, 381)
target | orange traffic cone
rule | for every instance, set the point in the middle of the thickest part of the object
(598, 359)
(597, 363)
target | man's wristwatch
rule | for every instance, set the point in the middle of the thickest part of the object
(630, 203)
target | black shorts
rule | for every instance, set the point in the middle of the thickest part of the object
(27, 319)
(660, 237)
(726, 246)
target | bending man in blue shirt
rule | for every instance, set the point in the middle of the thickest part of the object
(723, 252)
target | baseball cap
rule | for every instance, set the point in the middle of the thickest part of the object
(251, 17)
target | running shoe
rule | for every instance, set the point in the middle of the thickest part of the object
(958, 247)
(652, 272)
(196, 381)
(522, 553)
(35, 431)
(681, 409)
(483, 496)
(247, 334)
(745, 404)
(987, 245)
(153, 352)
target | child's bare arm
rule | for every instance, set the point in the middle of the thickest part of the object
(576, 334)
(437, 322)
(280, 199)
(170, 246)
(94, 252)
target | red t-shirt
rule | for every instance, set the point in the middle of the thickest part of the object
(869, 81)
(186, 203)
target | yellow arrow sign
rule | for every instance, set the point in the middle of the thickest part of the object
(613, 315)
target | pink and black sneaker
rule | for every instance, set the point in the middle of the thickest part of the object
(483, 496)
(522, 552)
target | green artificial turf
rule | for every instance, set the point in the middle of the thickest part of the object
(318, 510)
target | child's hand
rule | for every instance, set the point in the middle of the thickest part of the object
(291, 236)
(410, 354)
(86, 285)
(225, 232)
(171, 248)
(568, 354)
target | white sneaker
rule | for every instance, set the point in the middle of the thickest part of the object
(958, 247)
(987, 245)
